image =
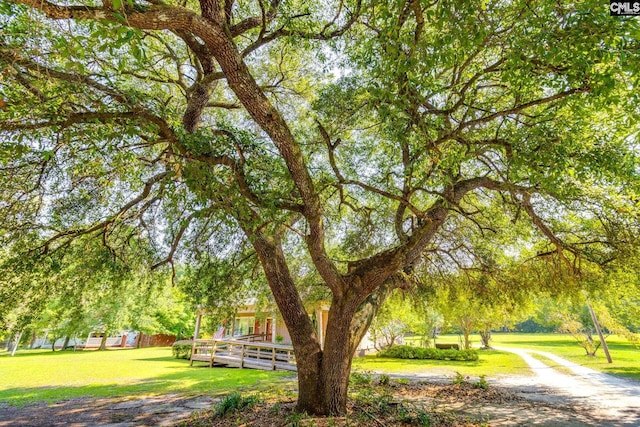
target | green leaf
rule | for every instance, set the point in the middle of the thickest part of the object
(137, 51)
(119, 16)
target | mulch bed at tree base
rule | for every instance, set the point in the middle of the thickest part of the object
(382, 402)
(414, 403)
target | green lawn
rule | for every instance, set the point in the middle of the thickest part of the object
(492, 363)
(38, 375)
(626, 357)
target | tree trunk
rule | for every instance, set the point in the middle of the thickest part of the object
(348, 322)
(322, 387)
(338, 353)
(485, 337)
(53, 342)
(323, 374)
(103, 341)
(303, 336)
(16, 344)
(465, 326)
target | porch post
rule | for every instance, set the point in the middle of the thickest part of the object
(273, 328)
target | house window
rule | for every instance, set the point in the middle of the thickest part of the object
(244, 326)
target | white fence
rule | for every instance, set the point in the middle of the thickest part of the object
(111, 342)
(93, 342)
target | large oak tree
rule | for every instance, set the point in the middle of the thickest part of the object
(367, 133)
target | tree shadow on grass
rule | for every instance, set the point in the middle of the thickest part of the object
(29, 354)
(21, 353)
(193, 382)
(382, 362)
(163, 359)
(629, 373)
(539, 345)
(84, 353)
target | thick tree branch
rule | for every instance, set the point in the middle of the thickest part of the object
(406, 191)
(284, 291)
(74, 233)
(559, 244)
(89, 117)
(331, 147)
(375, 270)
(176, 241)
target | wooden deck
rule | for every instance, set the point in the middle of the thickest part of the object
(244, 354)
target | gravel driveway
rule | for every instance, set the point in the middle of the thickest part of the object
(614, 400)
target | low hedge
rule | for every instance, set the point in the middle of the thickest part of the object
(182, 349)
(409, 352)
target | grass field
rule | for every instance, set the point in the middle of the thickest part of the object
(37, 375)
(491, 363)
(626, 358)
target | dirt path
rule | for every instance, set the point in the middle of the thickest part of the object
(151, 411)
(613, 400)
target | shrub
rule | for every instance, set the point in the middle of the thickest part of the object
(234, 402)
(295, 419)
(462, 380)
(459, 379)
(384, 380)
(482, 383)
(408, 352)
(182, 349)
(361, 378)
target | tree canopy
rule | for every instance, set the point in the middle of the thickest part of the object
(357, 140)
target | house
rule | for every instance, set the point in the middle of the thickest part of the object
(43, 341)
(93, 340)
(253, 323)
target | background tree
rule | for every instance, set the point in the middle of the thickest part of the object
(214, 127)
(83, 289)
(59, 319)
(478, 302)
(617, 291)
(395, 318)
(165, 312)
(428, 322)
(577, 321)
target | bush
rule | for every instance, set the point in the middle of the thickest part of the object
(182, 349)
(234, 402)
(408, 352)
(462, 380)
(459, 379)
(532, 326)
(482, 383)
(361, 378)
